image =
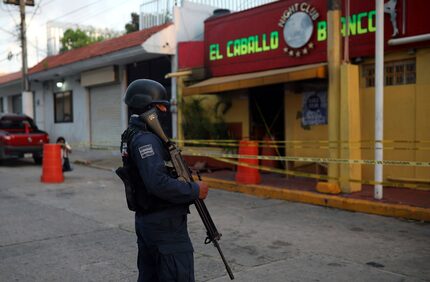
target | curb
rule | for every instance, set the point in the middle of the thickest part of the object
(356, 205)
(90, 164)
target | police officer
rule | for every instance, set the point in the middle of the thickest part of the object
(165, 252)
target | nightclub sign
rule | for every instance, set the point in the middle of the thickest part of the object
(298, 27)
(244, 46)
(292, 33)
(297, 22)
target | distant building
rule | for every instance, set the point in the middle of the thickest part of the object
(55, 31)
(157, 12)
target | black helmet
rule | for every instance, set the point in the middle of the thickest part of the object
(144, 93)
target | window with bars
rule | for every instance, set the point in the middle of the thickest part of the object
(396, 73)
(63, 107)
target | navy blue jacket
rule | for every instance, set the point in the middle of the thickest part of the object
(150, 157)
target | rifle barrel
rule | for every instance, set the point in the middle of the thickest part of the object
(227, 267)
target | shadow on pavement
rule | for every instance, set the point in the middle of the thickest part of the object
(18, 163)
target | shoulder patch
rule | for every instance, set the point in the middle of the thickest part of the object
(146, 151)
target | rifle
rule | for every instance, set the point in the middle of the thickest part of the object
(184, 173)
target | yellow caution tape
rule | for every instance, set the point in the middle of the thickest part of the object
(189, 151)
(308, 144)
(326, 177)
(197, 141)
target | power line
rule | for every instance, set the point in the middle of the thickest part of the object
(109, 8)
(10, 14)
(7, 31)
(74, 11)
(34, 11)
(90, 15)
(38, 49)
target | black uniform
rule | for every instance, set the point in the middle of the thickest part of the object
(165, 252)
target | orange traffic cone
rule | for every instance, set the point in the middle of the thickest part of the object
(52, 169)
(248, 175)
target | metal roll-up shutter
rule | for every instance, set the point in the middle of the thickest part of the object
(105, 116)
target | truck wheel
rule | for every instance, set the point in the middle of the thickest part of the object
(37, 159)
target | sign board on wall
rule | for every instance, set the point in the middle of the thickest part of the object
(290, 33)
(314, 108)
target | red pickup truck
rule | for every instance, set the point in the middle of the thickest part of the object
(20, 137)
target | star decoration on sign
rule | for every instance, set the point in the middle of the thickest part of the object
(292, 52)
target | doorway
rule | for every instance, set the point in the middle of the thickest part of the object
(267, 112)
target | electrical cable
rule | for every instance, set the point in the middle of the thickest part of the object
(7, 31)
(91, 16)
(10, 14)
(34, 12)
(74, 11)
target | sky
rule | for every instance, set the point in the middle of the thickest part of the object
(112, 14)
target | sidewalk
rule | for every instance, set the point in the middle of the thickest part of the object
(396, 202)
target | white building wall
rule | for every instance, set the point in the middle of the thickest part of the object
(39, 102)
(188, 26)
(77, 132)
(55, 31)
(189, 20)
(7, 92)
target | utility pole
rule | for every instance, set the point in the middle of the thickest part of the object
(27, 95)
(25, 84)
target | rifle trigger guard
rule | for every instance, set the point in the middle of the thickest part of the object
(208, 240)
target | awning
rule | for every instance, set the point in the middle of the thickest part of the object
(248, 80)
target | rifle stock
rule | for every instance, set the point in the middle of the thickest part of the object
(184, 173)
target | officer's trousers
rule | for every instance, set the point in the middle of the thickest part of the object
(165, 252)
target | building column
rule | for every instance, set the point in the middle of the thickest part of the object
(28, 103)
(334, 51)
(180, 109)
(350, 128)
(124, 108)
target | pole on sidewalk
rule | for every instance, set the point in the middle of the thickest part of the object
(379, 97)
(25, 84)
(179, 76)
(27, 95)
(334, 57)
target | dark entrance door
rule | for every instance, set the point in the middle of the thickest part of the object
(267, 120)
(267, 112)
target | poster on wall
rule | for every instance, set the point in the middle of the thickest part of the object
(314, 108)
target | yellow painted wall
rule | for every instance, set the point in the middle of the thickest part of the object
(422, 114)
(239, 111)
(406, 117)
(294, 130)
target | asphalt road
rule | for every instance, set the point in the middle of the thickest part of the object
(81, 230)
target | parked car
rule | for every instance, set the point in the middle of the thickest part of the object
(20, 137)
